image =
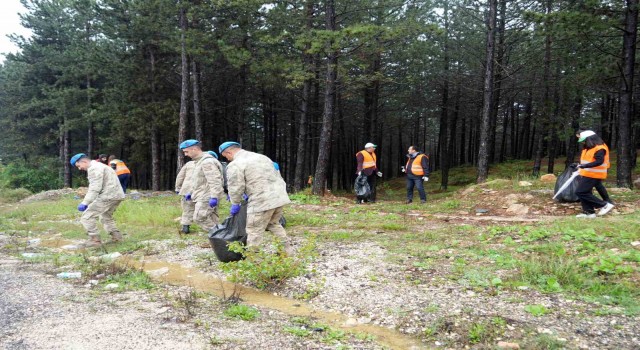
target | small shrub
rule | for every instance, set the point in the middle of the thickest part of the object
(478, 333)
(607, 263)
(265, 269)
(536, 310)
(243, 312)
(36, 176)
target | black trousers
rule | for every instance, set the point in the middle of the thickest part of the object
(415, 181)
(371, 179)
(584, 192)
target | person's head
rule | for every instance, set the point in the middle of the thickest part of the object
(191, 148)
(229, 149)
(80, 161)
(370, 147)
(214, 154)
(412, 150)
(589, 139)
(103, 158)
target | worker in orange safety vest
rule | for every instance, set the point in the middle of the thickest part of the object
(124, 174)
(417, 170)
(594, 162)
(367, 160)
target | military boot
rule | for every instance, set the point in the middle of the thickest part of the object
(92, 242)
(185, 229)
(116, 236)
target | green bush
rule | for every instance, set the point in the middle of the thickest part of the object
(9, 195)
(243, 312)
(36, 176)
(265, 269)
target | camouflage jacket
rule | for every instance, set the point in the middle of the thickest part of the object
(206, 179)
(183, 180)
(103, 184)
(254, 174)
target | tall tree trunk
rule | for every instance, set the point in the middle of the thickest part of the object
(572, 143)
(91, 130)
(625, 144)
(197, 117)
(184, 91)
(307, 59)
(324, 146)
(500, 53)
(155, 137)
(483, 151)
(444, 108)
(547, 103)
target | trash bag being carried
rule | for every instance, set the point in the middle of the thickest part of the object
(569, 193)
(363, 191)
(232, 229)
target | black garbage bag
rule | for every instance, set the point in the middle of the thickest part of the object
(232, 229)
(569, 194)
(363, 191)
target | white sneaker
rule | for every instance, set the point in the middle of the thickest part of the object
(588, 216)
(607, 208)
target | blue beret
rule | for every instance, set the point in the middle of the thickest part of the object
(276, 165)
(227, 145)
(213, 154)
(75, 158)
(188, 143)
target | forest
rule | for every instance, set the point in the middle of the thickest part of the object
(309, 82)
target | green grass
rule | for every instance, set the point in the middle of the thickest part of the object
(130, 280)
(242, 312)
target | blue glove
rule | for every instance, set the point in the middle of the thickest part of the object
(245, 197)
(177, 192)
(235, 209)
(228, 198)
(82, 207)
(213, 202)
(187, 197)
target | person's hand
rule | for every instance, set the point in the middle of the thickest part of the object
(82, 207)
(235, 209)
(402, 169)
(573, 165)
(245, 197)
(187, 197)
(359, 173)
(425, 178)
(177, 192)
(379, 174)
(228, 198)
(213, 202)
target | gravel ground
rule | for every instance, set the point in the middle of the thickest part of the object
(38, 311)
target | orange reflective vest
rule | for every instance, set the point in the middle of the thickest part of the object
(588, 156)
(369, 159)
(416, 166)
(121, 168)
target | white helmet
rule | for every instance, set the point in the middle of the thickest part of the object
(369, 144)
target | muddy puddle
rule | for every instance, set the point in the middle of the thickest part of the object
(176, 274)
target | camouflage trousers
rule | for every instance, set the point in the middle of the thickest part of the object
(205, 216)
(188, 208)
(258, 222)
(102, 210)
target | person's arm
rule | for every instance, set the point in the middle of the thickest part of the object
(180, 177)
(213, 176)
(599, 156)
(425, 166)
(96, 176)
(360, 160)
(235, 183)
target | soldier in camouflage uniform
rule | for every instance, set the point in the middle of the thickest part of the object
(102, 198)
(255, 175)
(183, 186)
(206, 184)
